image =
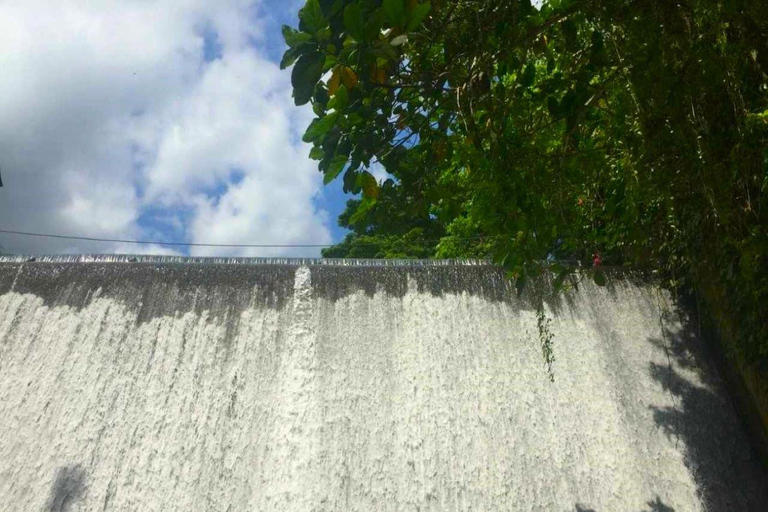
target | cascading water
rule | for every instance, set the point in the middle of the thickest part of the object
(192, 384)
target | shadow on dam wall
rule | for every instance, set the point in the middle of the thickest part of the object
(68, 487)
(729, 475)
(655, 505)
(700, 420)
(717, 451)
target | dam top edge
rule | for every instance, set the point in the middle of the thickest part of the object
(218, 260)
(279, 261)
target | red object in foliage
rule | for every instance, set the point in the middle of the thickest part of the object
(596, 260)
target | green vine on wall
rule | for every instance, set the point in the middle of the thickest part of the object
(546, 340)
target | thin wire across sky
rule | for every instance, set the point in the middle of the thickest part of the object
(192, 244)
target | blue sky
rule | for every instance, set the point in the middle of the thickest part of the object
(278, 13)
(165, 119)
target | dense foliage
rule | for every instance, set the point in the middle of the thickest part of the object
(622, 132)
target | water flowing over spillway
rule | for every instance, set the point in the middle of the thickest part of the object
(151, 384)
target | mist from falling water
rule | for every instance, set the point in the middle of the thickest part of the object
(133, 383)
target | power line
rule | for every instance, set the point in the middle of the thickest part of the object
(153, 242)
(190, 244)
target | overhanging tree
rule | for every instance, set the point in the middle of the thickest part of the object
(628, 132)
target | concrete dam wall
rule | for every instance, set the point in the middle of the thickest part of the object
(151, 384)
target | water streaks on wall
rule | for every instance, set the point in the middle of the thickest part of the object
(145, 383)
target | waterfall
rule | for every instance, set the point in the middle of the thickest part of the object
(196, 384)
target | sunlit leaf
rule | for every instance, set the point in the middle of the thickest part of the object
(335, 81)
(295, 38)
(369, 185)
(316, 153)
(348, 77)
(365, 206)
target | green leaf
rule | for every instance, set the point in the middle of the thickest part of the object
(354, 119)
(337, 165)
(319, 127)
(395, 11)
(560, 279)
(529, 75)
(334, 81)
(330, 62)
(568, 104)
(350, 181)
(295, 38)
(369, 185)
(365, 206)
(289, 57)
(348, 77)
(320, 94)
(306, 73)
(553, 107)
(340, 100)
(349, 49)
(598, 56)
(311, 17)
(520, 283)
(374, 24)
(599, 278)
(323, 35)
(316, 153)
(353, 21)
(417, 16)
(571, 34)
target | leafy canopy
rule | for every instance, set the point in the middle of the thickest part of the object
(625, 132)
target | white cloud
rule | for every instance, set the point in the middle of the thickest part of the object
(110, 116)
(379, 172)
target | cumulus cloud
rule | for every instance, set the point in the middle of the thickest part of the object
(144, 119)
